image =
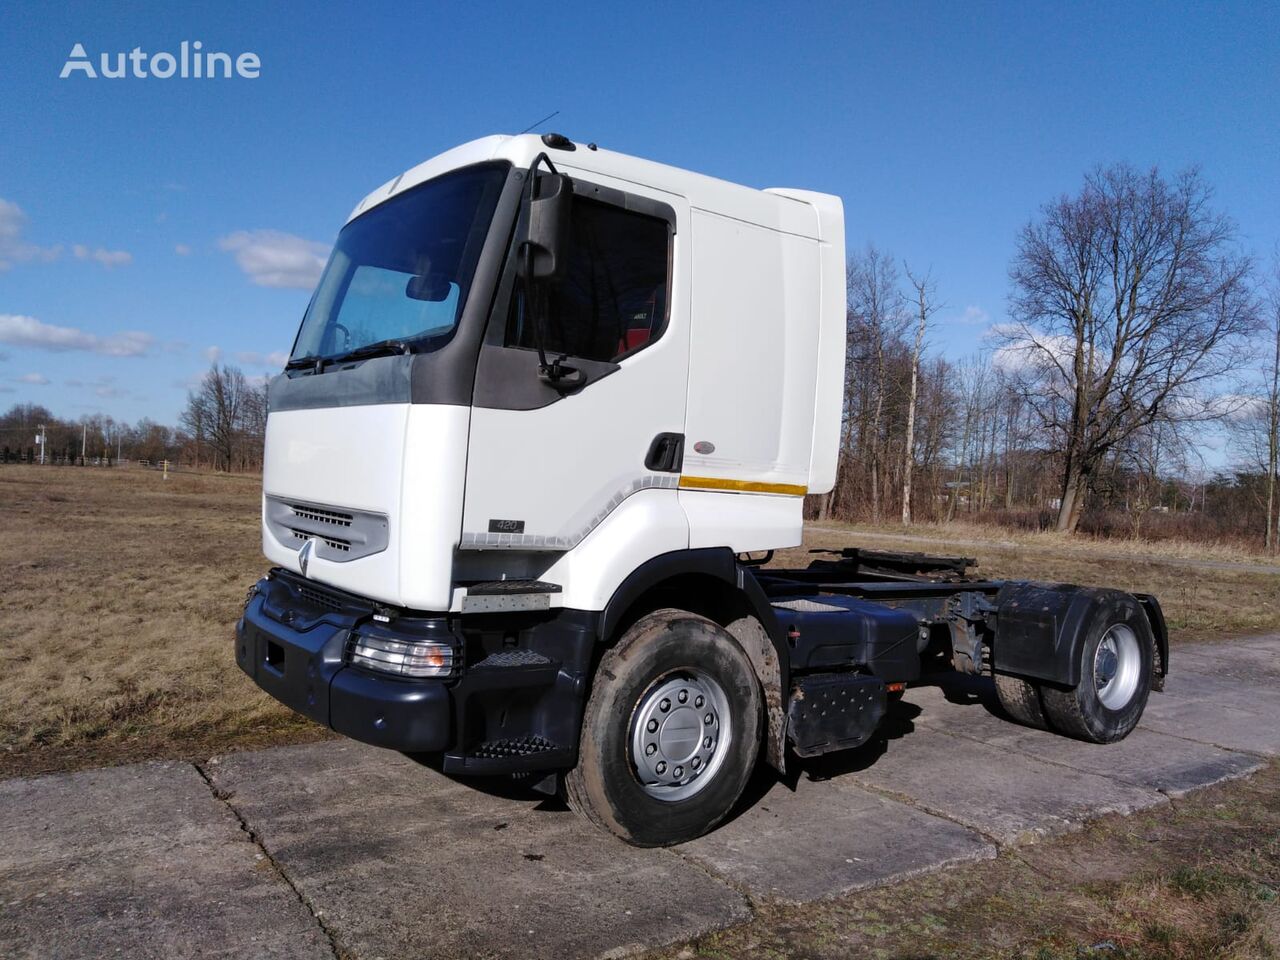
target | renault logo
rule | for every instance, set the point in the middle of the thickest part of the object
(304, 556)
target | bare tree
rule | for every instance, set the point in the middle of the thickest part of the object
(1128, 301)
(215, 414)
(875, 304)
(1273, 421)
(922, 302)
(1268, 417)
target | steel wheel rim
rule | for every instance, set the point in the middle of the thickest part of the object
(1117, 667)
(681, 729)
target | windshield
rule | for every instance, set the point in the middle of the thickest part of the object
(402, 271)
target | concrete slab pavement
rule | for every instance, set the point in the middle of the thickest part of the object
(400, 861)
(828, 837)
(338, 849)
(1172, 765)
(139, 861)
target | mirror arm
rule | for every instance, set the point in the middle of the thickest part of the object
(553, 372)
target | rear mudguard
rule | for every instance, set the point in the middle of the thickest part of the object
(1040, 628)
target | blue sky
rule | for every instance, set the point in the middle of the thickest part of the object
(151, 221)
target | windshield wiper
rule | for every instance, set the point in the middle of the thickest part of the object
(300, 362)
(380, 348)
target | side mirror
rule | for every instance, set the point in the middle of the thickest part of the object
(548, 230)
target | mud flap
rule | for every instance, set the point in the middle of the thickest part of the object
(833, 711)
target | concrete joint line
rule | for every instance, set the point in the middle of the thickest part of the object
(909, 801)
(739, 888)
(1265, 758)
(276, 867)
(1061, 764)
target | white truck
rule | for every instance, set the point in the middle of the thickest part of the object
(548, 413)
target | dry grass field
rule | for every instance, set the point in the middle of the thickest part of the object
(121, 590)
(119, 598)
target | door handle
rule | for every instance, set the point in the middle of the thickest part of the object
(666, 453)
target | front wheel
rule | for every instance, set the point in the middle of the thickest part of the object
(1116, 665)
(671, 731)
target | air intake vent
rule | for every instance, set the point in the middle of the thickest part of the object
(318, 598)
(339, 533)
(333, 543)
(316, 514)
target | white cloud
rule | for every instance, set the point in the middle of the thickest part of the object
(212, 354)
(108, 258)
(13, 249)
(271, 258)
(973, 314)
(109, 392)
(20, 331)
(38, 379)
(251, 358)
(182, 250)
(1023, 349)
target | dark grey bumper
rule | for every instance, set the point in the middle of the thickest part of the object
(300, 662)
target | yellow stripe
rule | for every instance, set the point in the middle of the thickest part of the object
(742, 486)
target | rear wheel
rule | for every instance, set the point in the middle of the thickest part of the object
(1021, 700)
(1116, 664)
(671, 731)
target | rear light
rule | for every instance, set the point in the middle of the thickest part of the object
(403, 658)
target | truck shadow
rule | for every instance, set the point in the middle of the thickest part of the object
(958, 689)
(899, 722)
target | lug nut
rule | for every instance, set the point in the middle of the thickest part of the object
(665, 705)
(652, 726)
(699, 702)
(650, 750)
(696, 762)
(708, 719)
(661, 768)
(684, 696)
(678, 772)
(706, 744)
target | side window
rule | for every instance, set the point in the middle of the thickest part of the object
(613, 298)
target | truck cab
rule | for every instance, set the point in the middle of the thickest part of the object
(547, 409)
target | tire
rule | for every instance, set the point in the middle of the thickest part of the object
(665, 656)
(1116, 667)
(1021, 700)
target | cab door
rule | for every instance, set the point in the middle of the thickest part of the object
(549, 463)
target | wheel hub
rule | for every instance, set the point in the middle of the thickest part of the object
(678, 734)
(1117, 667)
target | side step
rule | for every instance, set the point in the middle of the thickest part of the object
(513, 755)
(833, 711)
(508, 596)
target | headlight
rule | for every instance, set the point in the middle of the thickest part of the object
(403, 658)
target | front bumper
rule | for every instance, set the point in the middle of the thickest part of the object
(513, 705)
(297, 653)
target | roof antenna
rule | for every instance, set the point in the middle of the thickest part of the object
(539, 123)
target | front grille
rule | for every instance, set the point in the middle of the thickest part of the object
(320, 515)
(333, 543)
(319, 597)
(340, 533)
